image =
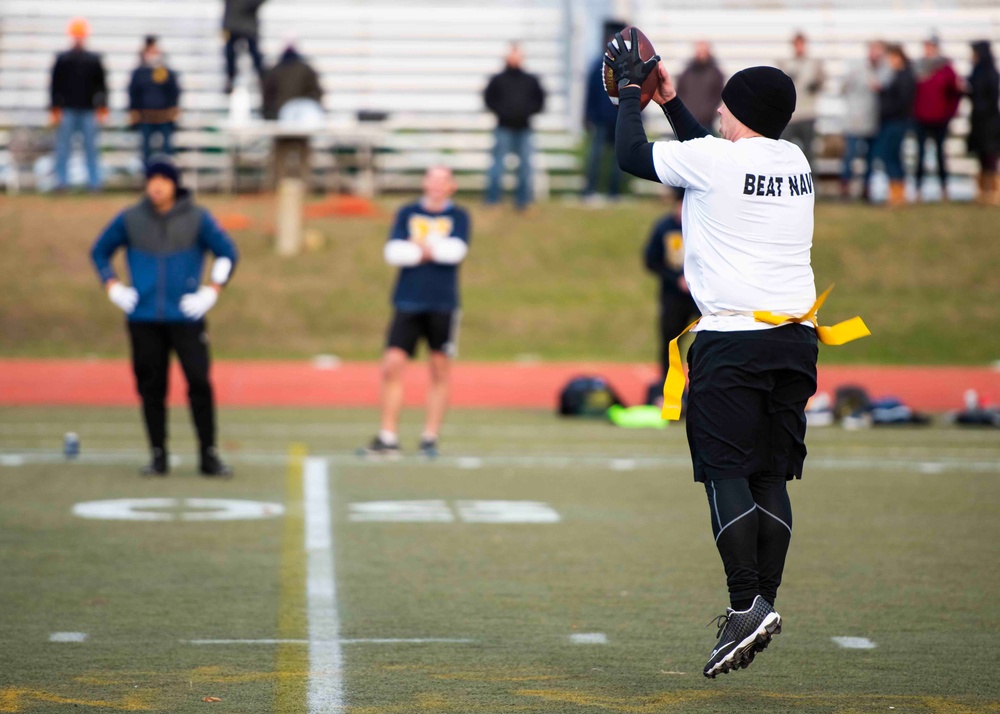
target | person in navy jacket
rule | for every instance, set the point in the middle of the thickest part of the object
(154, 95)
(165, 237)
(429, 240)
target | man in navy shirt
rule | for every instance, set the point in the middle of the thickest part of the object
(429, 240)
(165, 237)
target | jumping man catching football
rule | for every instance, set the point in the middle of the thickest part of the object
(748, 225)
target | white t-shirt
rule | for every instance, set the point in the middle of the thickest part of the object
(748, 226)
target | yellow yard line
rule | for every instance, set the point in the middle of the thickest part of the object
(291, 662)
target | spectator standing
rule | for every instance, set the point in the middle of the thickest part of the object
(984, 120)
(428, 242)
(935, 105)
(895, 116)
(664, 258)
(861, 115)
(165, 237)
(241, 26)
(600, 117)
(78, 104)
(154, 100)
(514, 96)
(808, 76)
(700, 85)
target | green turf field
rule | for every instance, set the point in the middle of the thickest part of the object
(563, 282)
(896, 541)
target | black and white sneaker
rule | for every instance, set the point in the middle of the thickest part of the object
(157, 466)
(742, 634)
(212, 466)
(429, 448)
(379, 449)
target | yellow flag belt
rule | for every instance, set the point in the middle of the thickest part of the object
(839, 334)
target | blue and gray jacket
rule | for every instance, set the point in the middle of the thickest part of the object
(165, 254)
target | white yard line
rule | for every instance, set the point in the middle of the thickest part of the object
(326, 658)
(19, 457)
(357, 641)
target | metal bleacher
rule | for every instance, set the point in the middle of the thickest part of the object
(425, 68)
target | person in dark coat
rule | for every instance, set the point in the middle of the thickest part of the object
(78, 104)
(292, 78)
(165, 238)
(241, 26)
(514, 96)
(664, 258)
(600, 117)
(895, 117)
(700, 85)
(984, 120)
(154, 100)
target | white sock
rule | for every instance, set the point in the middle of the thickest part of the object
(388, 437)
(429, 437)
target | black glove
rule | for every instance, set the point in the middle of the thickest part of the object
(626, 65)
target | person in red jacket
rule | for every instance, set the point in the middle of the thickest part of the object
(935, 105)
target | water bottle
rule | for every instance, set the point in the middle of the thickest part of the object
(71, 445)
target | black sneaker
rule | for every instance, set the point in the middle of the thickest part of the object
(381, 450)
(429, 448)
(212, 466)
(157, 466)
(741, 636)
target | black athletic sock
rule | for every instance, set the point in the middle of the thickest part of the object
(735, 526)
(774, 530)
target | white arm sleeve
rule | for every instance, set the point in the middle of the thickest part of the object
(686, 164)
(449, 251)
(221, 269)
(402, 253)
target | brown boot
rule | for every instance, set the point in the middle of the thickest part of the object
(981, 184)
(993, 189)
(897, 194)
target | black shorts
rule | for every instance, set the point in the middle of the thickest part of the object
(440, 329)
(747, 399)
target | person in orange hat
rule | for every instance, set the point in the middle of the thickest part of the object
(78, 103)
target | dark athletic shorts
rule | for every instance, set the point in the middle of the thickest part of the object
(747, 399)
(439, 329)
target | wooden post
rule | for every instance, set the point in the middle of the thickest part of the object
(291, 197)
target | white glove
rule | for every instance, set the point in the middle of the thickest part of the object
(195, 305)
(124, 297)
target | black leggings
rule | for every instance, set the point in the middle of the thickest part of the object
(937, 133)
(752, 525)
(152, 343)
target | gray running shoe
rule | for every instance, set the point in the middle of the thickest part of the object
(378, 449)
(741, 636)
(429, 448)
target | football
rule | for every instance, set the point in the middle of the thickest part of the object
(645, 52)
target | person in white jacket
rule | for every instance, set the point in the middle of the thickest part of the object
(428, 242)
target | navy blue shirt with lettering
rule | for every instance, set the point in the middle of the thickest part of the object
(428, 287)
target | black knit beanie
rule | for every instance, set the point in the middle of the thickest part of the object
(763, 98)
(162, 165)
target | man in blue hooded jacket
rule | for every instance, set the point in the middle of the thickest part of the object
(165, 237)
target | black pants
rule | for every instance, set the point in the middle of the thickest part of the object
(677, 311)
(936, 133)
(152, 343)
(746, 428)
(252, 48)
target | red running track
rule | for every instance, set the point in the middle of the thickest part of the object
(484, 385)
